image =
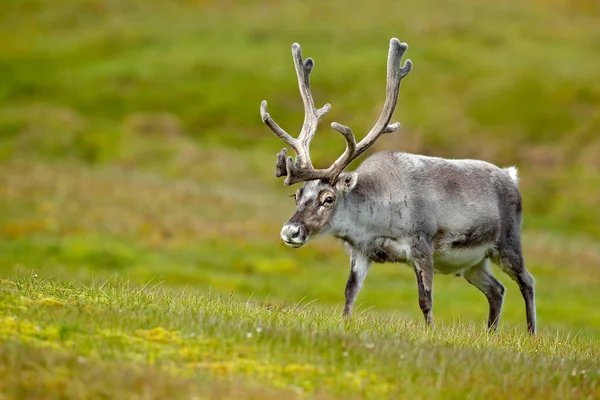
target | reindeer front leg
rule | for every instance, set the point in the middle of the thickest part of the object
(422, 260)
(359, 266)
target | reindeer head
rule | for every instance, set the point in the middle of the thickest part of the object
(323, 189)
(316, 202)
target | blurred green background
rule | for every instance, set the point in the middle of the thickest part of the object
(131, 141)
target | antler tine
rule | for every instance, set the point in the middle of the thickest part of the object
(312, 116)
(395, 73)
(283, 135)
(280, 166)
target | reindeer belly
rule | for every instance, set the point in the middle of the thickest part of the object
(445, 261)
(454, 261)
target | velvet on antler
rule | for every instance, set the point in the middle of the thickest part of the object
(301, 169)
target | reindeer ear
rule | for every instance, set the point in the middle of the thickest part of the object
(346, 182)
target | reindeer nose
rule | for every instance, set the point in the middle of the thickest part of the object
(290, 231)
(293, 235)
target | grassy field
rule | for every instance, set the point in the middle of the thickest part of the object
(117, 340)
(139, 214)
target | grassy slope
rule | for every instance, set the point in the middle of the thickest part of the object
(59, 336)
(132, 151)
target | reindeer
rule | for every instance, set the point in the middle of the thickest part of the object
(437, 215)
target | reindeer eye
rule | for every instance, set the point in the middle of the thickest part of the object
(328, 200)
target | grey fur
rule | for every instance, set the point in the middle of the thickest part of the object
(437, 215)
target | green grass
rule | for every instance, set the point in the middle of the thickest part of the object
(139, 213)
(60, 336)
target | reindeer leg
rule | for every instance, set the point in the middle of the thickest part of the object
(359, 266)
(511, 261)
(481, 277)
(422, 260)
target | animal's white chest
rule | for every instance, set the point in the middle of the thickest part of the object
(454, 260)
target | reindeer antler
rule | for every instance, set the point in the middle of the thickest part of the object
(301, 145)
(302, 169)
